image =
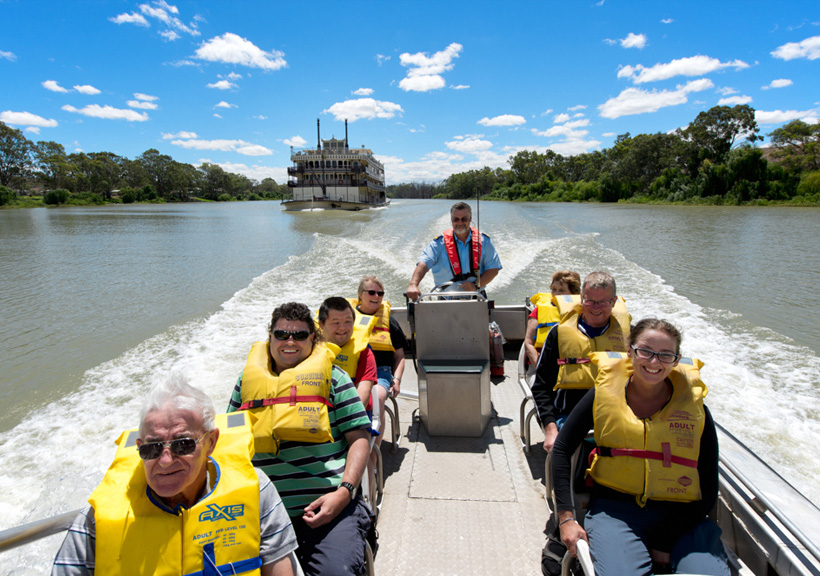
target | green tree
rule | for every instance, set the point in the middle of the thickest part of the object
(15, 156)
(51, 163)
(158, 169)
(716, 130)
(797, 145)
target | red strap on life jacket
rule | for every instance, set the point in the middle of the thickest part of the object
(452, 252)
(562, 361)
(291, 399)
(666, 455)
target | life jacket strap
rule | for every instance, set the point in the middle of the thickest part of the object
(562, 361)
(210, 567)
(666, 455)
(291, 399)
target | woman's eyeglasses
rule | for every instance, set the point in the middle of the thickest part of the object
(297, 335)
(179, 447)
(378, 293)
(646, 354)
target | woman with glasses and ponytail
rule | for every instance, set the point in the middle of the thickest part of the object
(311, 435)
(387, 341)
(654, 471)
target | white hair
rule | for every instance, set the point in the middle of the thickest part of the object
(176, 393)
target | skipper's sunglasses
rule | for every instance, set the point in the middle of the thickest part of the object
(297, 335)
(179, 447)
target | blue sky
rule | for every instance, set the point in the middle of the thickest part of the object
(433, 88)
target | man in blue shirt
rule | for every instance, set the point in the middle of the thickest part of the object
(457, 256)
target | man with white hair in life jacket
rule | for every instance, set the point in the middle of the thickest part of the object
(457, 256)
(598, 323)
(181, 497)
(311, 433)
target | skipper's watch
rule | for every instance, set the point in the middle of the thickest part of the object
(350, 488)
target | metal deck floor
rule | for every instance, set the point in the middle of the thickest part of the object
(462, 506)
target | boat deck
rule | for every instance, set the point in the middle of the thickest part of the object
(462, 505)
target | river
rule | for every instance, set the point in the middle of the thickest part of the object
(99, 303)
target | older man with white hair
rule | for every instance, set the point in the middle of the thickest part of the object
(181, 497)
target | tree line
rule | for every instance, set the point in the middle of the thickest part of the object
(96, 177)
(713, 160)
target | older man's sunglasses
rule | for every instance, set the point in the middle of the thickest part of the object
(179, 447)
(297, 335)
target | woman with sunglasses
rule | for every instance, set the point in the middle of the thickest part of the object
(655, 469)
(387, 341)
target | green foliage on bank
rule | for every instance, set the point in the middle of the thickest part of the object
(713, 161)
(95, 178)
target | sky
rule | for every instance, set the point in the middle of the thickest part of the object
(432, 88)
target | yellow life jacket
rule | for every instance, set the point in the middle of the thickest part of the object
(291, 406)
(575, 369)
(653, 458)
(380, 338)
(135, 536)
(548, 317)
(348, 357)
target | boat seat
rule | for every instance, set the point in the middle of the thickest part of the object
(373, 478)
(580, 494)
(394, 422)
(526, 378)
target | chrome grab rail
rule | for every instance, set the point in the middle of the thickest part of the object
(20, 535)
(770, 507)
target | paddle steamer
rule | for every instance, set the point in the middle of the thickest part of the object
(334, 176)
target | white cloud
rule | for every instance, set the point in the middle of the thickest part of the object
(260, 117)
(667, 21)
(425, 71)
(366, 108)
(132, 18)
(609, 134)
(561, 131)
(217, 115)
(33, 129)
(142, 105)
(257, 172)
(692, 66)
(26, 119)
(727, 91)
(634, 41)
(170, 35)
(469, 144)
(563, 117)
(166, 136)
(86, 89)
(296, 142)
(254, 150)
(222, 85)
(781, 116)
(10, 56)
(460, 87)
(577, 107)
(108, 113)
(232, 49)
(146, 97)
(639, 101)
(734, 100)
(238, 146)
(779, 83)
(503, 120)
(224, 104)
(54, 86)
(808, 48)
(381, 58)
(363, 92)
(161, 10)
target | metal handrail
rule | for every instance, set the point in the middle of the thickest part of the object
(20, 535)
(770, 506)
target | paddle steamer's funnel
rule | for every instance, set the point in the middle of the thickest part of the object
(318, 137)
(346, 144)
